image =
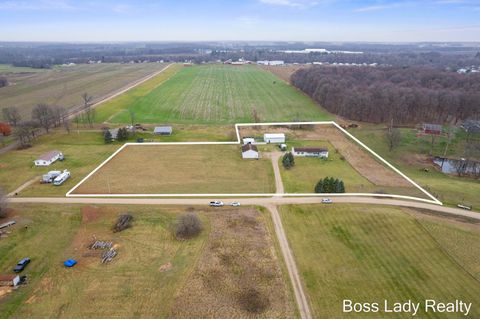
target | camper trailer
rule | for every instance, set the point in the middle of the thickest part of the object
(50, 176)
(60, 179)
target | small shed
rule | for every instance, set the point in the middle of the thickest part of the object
(48, 158)
(310, 152)
(432, 129)
(248, 140)
(163, 130)
(250, 151)
(9, 280)
(274, 138)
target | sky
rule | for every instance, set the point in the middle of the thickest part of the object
(240, 20)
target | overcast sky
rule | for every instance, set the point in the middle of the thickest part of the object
(285, 20)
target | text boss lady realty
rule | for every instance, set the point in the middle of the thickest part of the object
(410, 307)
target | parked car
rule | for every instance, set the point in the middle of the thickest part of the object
(235, 204)
(21, 265)
(216, 203)
(326, 201)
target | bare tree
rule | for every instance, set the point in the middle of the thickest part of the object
(44, 115)
(187, 226)
(3, 204)
(132, 116)
(394, 138)
(87, 108)
(25, 132)
(11, 115)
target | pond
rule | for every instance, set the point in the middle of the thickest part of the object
(450, 166)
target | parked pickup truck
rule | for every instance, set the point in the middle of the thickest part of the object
(216, 203)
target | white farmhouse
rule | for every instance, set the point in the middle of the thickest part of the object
(249, 151)
(310, 152)
(274, 138)
(48, 158)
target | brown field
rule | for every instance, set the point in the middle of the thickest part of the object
(238, 257)
(64, 85)
(284, 72)
(361, 161)
(181, 169)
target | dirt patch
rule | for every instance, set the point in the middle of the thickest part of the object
(5, 291)
(284, 72)
(90, 214)
(165, 267)
(239, 262)
(360, 160)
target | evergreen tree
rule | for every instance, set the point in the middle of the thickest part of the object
(288, 160)
(107, 136)
(122, 134)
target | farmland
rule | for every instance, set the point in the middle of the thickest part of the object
(367, 253)
(180, 169)
(63, 86)
(138, 281)
(213, 94)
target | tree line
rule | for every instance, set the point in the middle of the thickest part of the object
(406, 95)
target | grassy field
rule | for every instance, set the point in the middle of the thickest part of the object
(135, 284)
(64, 85)
(83, 153)
(369, 254)
(181, 169)
(303, 177)
(213, 94)
(410, 157)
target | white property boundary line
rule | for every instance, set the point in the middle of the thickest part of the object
(433, 200)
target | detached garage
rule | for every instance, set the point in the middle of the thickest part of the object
(249, 151)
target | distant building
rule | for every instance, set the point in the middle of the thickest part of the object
(250, 151)
(272, 63)
(471, 126)
(310, 152)
(48, 158)
(248, 140)
(274, 138)
(163, 130)
(9, 280)
(432, 129)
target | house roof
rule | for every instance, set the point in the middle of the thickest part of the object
(48, 156)
(273, 135)
(163, 129)
(249, 147)
(7, 277)
(310, 149)
(114, 132)
(432, 127)
(471, 126)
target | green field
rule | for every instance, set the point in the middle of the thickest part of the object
(181, 169)
(213, 94)
(64, 86)
(449, 189)
(369, 254)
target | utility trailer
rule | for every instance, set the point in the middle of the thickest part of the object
(50, 176)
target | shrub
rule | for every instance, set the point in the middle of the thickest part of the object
(253, 301)
(288, 160)
(187, 226)
(107, 136)
(330, 185)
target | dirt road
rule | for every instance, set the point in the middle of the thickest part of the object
(275, 157)
(300, 296)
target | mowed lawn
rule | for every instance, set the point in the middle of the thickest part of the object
(133, 285)
(83, 152)
(369, 254)
(214, 94)
(307, 171)
(64, 85)
(181, 169)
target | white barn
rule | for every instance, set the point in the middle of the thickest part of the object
(310, 152)
(250, 151)
(48, 158)
(274, 138)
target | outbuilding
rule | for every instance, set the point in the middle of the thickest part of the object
(310, 152)
(250, 151)
(274, 138)
(9, 280)
(163, 130)
(48, 158)
(248, 140)
(432, 129)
